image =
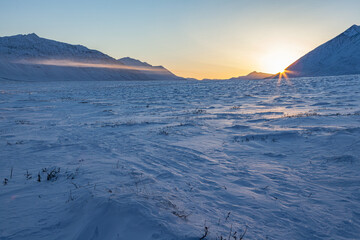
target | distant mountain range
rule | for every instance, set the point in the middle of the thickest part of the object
(339, 56)
(30, 57)
(251, 76)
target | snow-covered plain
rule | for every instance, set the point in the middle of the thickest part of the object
(168, 160)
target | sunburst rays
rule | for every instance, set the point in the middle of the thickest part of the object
(284, 75)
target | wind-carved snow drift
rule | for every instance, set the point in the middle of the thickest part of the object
(29, 57)
(339, 56)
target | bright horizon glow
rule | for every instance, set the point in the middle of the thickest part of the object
(199, 39)
(278, 59)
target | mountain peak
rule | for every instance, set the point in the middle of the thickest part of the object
(352, 31)
(258, 75)
(338, 56)
(127, 59)
(133, 62)
(30, 36)
(25, 37)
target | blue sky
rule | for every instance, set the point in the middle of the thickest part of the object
(198, 38)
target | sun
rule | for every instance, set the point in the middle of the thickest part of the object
(277, 60)
(277, 64)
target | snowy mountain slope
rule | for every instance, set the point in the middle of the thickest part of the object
(339, 56)
(31, 46)
(153, 69)
(29, 57)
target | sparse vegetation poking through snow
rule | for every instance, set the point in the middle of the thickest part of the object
(300, 115)
(232, 235)
(243, 234)
(163, 132)
(228, 215)
(28, 175)
(22, 122)
(181, 214)
(199, 111)
(71, 197)
(206, 232)
(53, 174)
(71, 175)
(263, 138)
(315, 114)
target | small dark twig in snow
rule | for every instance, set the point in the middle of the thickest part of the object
(76, 186)
(206, 231)
(230, 232)
(28, 175)
(228, 215)
(243, 235)
(71, 198)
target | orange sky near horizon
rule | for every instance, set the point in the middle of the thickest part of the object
(272, 60)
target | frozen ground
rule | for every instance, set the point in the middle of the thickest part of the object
(164, 160)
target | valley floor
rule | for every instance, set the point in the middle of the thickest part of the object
(180, 160)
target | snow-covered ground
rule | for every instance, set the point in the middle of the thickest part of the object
(174, 160)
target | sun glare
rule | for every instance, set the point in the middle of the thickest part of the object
(276, 65)
(284, 76)
(277, 60)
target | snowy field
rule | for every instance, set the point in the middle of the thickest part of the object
(180, 160)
